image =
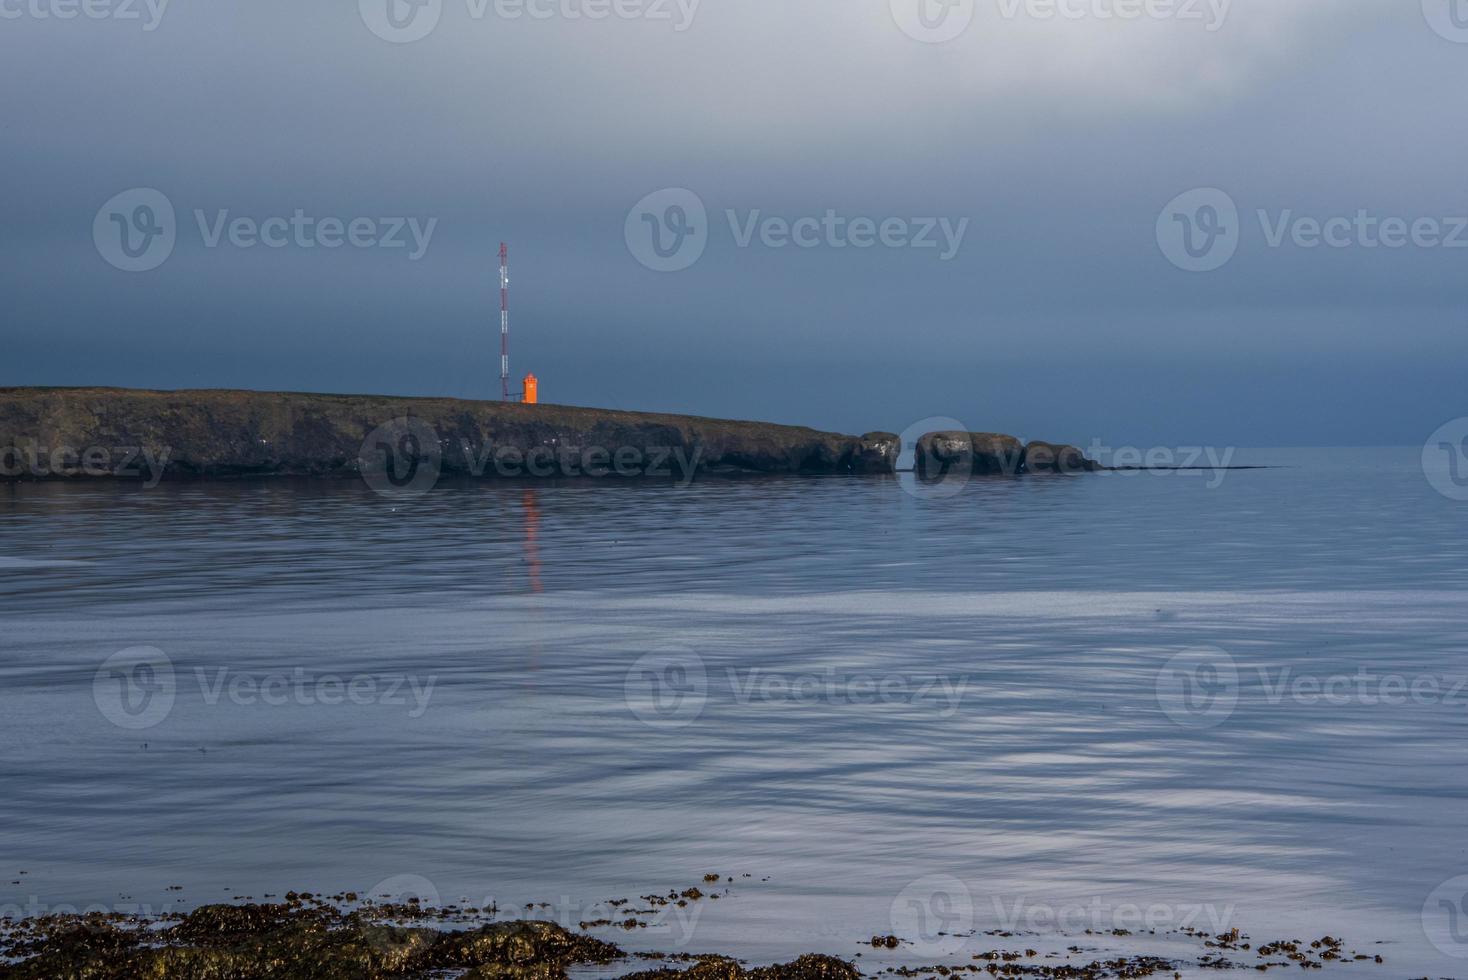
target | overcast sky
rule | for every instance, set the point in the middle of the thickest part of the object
(1044, 152)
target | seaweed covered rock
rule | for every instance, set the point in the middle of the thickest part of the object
(295, 942)
(809, 967)
(519, 945)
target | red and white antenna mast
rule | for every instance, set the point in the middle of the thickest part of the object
(504, 321)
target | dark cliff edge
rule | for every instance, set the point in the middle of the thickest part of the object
(111, 432)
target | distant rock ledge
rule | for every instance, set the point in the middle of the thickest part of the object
(942, 454)
(79, 432)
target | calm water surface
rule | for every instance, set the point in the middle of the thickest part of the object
(634, 684)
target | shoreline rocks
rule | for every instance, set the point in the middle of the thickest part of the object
(92, 432)
(941, 454)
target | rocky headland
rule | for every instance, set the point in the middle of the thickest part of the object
(77, 432)
(301, 936)
(121, 432)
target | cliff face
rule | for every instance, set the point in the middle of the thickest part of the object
(70, 431)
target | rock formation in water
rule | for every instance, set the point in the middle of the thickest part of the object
(92, 431)
(312, 940)
(941, 454)
(1047, 457)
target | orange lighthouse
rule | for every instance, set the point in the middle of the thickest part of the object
(532, 393)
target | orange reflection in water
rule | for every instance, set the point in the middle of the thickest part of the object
(531, 505)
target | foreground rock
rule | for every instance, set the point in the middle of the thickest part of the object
(808, 967)
(53, 432)
(291, 942)
(351, 937)
(316, 942)
(943, 454)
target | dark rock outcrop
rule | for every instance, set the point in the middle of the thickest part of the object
(808, 967)
(877, 453)
(296, 943)
(1048, 457)
(941, 454)
(231, 433)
